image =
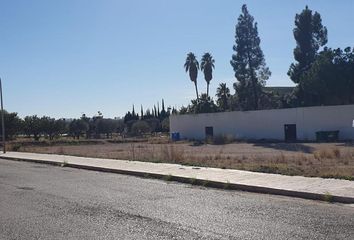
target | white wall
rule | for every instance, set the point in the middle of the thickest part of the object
(268, 124)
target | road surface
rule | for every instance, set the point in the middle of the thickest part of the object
(46, 202)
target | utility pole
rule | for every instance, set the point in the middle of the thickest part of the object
(2, 120)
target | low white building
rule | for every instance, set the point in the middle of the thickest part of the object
(277, 124)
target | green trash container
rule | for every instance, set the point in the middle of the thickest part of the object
(332, 136)
(319, 136)
(327, 136)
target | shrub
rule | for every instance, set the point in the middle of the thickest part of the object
(221, 139)
(327, 153)
(168, 177)
(13, 147)
(328, 197)
(172, 154)
(140, 128)
(165, 125)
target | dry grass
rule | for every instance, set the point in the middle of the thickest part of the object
(310, 159)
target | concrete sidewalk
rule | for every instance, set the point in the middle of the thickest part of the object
(295, 186)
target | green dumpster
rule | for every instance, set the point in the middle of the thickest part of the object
(327, 136)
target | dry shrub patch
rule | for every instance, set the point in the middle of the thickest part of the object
(311, 159)
(327, 153)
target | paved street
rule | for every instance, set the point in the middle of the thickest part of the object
(40, 201)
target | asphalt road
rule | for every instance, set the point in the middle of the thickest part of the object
(47, 202)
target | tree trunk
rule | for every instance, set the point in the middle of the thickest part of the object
(224, 107)
(207, 89)
(196, 90)
(253, 82)
(255, 94)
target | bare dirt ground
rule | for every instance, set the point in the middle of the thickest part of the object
(307, 159)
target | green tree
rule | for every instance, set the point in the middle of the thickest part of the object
(131, 116)
(248, 62)
(207, 66)
(174, 111)
(155, 112)
(61, 126)
(140, 127)
(33, 126)
(13, 124)
(330, 79)
(107, 126)
(310, 35)
(223, 97)
(184, 110)
(52, 127)
(165, 125)
(120, 126)
(77, 127)
(141, 112)
(204, 105)
(154, 124)
(89, 122)
(128, 117)
(148, 114)
(48, 127)
(163, 113)
(192, 66)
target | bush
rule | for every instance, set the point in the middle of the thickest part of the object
(332, 153)
(221, 139)
(165, 125)
(13, 147)
(140, 128)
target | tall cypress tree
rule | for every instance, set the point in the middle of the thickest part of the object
(310, 35)
(135, 116)
(133, 111)
(163, 105)
(155, 112)
(248, 62)
(158, 109)
(163, 113)
(141, 112)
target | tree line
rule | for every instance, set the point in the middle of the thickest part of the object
(84, 127)
(33, 126)
(154, 120)
(323, 75)
(37, 127)
(95, 127)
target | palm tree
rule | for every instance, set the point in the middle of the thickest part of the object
(192, 66)
(223, 95)
(207, 65)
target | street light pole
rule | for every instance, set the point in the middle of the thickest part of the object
(2, 120)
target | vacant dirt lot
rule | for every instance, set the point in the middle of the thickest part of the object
(308, 159)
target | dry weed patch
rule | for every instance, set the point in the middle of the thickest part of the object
(321, 160)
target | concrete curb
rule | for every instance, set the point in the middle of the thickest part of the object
(200, 182)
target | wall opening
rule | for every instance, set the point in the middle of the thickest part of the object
(290, 132)
(209, 132)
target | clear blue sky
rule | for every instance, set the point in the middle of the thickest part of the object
(68, 57)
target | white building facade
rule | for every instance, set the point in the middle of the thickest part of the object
(275, 124)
